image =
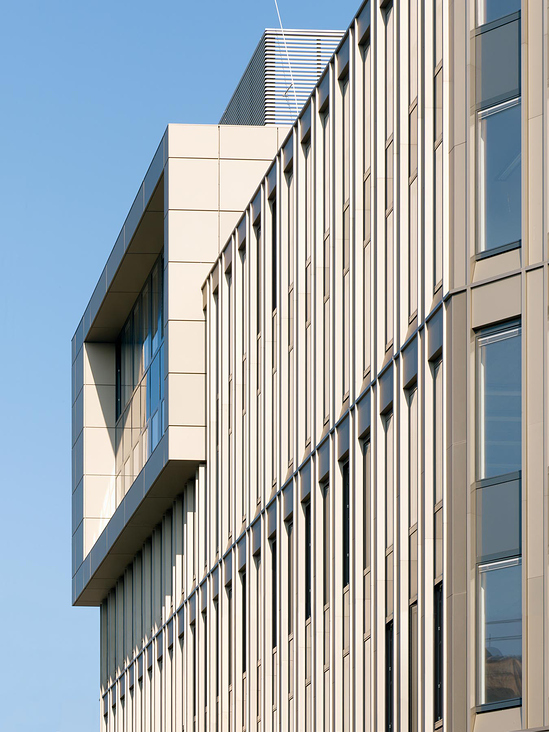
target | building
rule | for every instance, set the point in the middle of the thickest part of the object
(324, 508)
(278, 80)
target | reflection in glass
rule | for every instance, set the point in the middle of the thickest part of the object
(489, 10)
(498, 520)
(140, 383)
(499, 403)
(499, 176)
(500, 631)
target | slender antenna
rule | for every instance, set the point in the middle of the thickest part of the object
(287, 56)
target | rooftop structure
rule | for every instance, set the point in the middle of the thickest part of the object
(280, 75)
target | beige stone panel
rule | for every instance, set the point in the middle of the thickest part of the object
(458, 255)
(99, 406)
(534, 202)
(99, 363)
(496, 301)
(193, 141)
(191, 236)
(183, 287)
(504, 720)
(534, 20)
(534, 652)
(99, 496)
(186, 397)
(192, 184)
(457, 660)
(98, 451)
(186, 347)
(282, 134)
(238, 180)
(93, 528)
(533, 495)
(242, 142)
(459, 43)
(500, 264)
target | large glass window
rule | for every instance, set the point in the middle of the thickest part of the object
(140, 381)
(499, 176)
(498, 517)
(499, 403)
(500, 631)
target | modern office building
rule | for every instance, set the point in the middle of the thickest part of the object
(311, 418)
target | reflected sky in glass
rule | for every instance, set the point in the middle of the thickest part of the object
(500, 177)
(500, 404)
(489, 10)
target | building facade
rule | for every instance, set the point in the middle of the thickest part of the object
(311, 411)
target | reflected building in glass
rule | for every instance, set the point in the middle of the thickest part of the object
(310, 415)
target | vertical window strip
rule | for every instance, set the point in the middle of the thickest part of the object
(308, 291)
(290, 339)
(325, 122)
(346, 224)
(367, 206)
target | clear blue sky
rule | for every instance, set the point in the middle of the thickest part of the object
(86, 91)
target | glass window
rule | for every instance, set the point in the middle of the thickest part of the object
(438, 647)
(438, 428)
(290, 576)
(274, 592)
(499, 403)
(140, 381)
(489, 10)
(389, 676)
(497, 64)
(244, 620)
(389, 498)
(346, 527)
(367, 529)
(413, 670)
(498, 520)
(326, 541)
(500, 631)
(308, 558)
(274, 266)
(389, 245)
(413, 455)
(499, 176)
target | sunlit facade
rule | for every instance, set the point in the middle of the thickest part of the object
(324, 508)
